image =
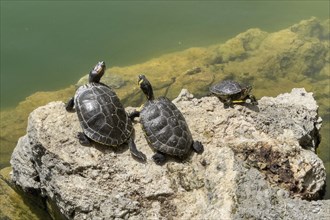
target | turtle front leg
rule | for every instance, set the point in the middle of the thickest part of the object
(253, 100)
(69, 105)
(133, 115)
(159, 158)
(134, 151)
(228, 103)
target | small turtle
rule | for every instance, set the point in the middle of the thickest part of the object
(101, 115)
(231, 92)
(164, 126)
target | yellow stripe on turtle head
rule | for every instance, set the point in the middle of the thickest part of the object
(140, 81)
(238, 101)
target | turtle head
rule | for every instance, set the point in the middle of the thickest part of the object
(247, 89)
(97, 72)
(145, 87)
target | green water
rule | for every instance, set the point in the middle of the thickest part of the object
(48, 45)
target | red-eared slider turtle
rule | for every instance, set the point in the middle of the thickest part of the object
(231, 92)
(164, 126)
(101, 115)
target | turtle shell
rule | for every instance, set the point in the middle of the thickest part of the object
(101, 114)
(226, 88)
(165, 128)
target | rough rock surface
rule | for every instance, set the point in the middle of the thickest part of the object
(258, 163)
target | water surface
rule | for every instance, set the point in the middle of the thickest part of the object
(48, 45)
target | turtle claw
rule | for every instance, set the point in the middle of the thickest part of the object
(198, 147)
(83, 139)
(138, 154)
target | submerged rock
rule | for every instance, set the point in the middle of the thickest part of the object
(259, 162)
(16, 206)
(297, 56)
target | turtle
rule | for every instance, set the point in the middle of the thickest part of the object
(231, 92)
(102, 116)
(164, 126)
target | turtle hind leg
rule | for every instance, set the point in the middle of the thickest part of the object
(138, 154)
(228, 103)
(83, 139)
(198, 147)
(69, 105)
(159, 158)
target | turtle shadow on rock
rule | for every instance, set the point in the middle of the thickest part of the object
(184, 159)
(252, 107)
(106, 149)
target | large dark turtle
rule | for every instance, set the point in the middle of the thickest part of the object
(231, 92)
(164, 126)
(101, 115)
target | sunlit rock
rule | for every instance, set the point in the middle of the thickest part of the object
(255, 162)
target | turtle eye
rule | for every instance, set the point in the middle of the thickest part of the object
(99, 67)
(140, 79)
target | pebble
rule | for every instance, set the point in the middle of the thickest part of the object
(316, 210)
(106, 176)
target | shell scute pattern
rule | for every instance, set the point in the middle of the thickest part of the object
(96, 120)
(165, 127)
(227, 87)
(101, 115)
